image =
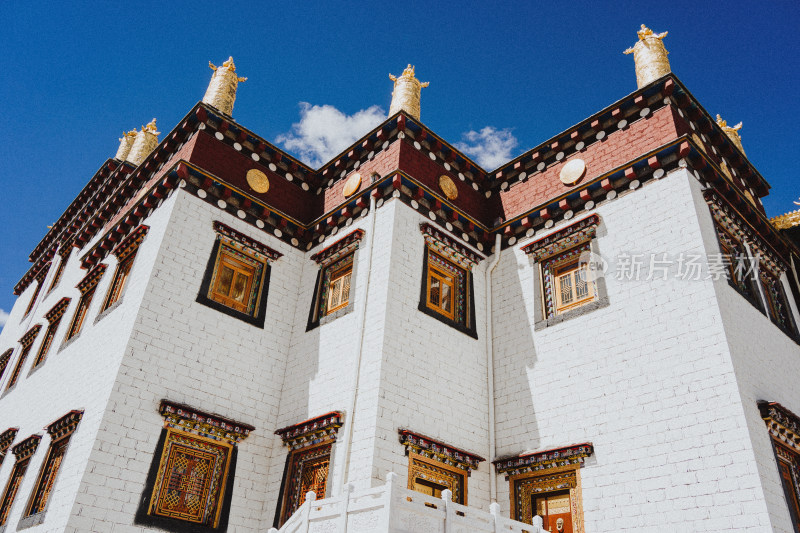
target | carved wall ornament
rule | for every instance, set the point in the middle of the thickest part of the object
(573, 171)
(448, 187)
(352, 184)
(312, 432)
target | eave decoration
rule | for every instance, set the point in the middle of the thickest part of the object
(563, 239)
(318, 430)
(544, 460)
(439, 451)
(190, 420)
(782, 424)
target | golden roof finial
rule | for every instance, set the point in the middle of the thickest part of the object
(145, 142)
(731, 131)
(125, 144)
(221, 92)
(650, 56)
(406, 93)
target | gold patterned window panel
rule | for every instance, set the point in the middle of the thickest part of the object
(434, 466)
(23, 453)
(547, 481)
(194, 465)
(60, 432)
(4, 359)
(6, 438)
(310, 443)
(784, 428)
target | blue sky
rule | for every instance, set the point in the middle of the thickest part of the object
(504, 76)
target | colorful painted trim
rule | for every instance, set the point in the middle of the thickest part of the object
(533, 462)
(314, 431)
(190, 420)
(727, 217)
(331, 268)
(29, 337)
(242, 253)
(549, 269)
(308, 470)
(65, 425)
(35, 273)
(339, 249)
(130, 243)
(58, 310)
(581, 231)
(438, 451)
(782, 424)
(246, 241)
(449, 248)
(6, 438)
(91, 279)
(26, 448)
(460, 277)
(191, 479)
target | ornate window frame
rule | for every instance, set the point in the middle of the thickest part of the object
(26, 343)
(203, 445)
(6, 438)
(771, 282)
(64, 253)
(310, 444)
(783, 427)
(339, 258)
(543, 472)
(88, 287)
(438, 463)
(60, 433)
(446, 258)
(39, 279)
(23, 453)
(4, 359)
(53, 317)
(231, 245)
(125, 252)
(565, 247)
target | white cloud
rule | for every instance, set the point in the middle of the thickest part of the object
(324, 131)
(3, 318)
(490, 147)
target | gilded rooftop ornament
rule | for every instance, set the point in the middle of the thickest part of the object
(731, 131)
(221, 92)
(406, 93)
(145, 142)
(125, 144)
(650, 56)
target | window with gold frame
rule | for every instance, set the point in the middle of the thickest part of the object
(237, 276)
(784, 430)
(60, 433)
(26, 342)
(334, 287)
(553, 494)
(432, 477)
(23, 453)
(88, 287)
(191, 477)
(566, 282)
(337, 295)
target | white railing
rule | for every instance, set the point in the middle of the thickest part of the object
(391, 508)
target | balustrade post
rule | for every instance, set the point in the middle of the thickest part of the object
(388, 502)
(311, 497)
(344, 507)
(447, 497)
(494, 510)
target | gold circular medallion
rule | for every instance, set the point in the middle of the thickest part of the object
(257, 180)
(573, 171)
(352, 184)
(448, 187)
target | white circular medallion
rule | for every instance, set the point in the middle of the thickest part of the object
(432, 156)
(540, 166)
(182, 184)
(465, 237)
(370, 155)
(461, 176)
(289, 176)
(237, 147)
(396, 193)
(449, 226)
(600, 135)
(335, 230)
(414, 204)
(488, 194)
(611, 195)
(530, 232)
(549, 224)
(417, 145)
(559, 156)
(219, 136)
(475, 186)
(580, 145)
(385, 145)
(568, 215)
(222, 204)
(504, 185)
(348, 222)
(622, 123)
(644, 112)
(358, 164)
(522, 176)
(201, 126)
(446, 166)
(241, 214)
(272, 167)
(255, 156)
(294, 242)
(432, 215)
(480, 247)
(511, 241)
(201, 193)
(401, 135)
(589, 205)
(572, 172)
(260, 223)
(278, 233)
(634, 184)
(305, 186)
(659, 173)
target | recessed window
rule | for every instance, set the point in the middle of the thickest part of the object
(60, 432)
(59, 271)
(782, 426)
(333, 292)
(23, 452)
(447, 281)
(4, 359)
(87, 286)
(237, 276)
(310, 444)
(118, 283)
(39, 282)
(54, 317)
(434, 466)
(26, 342)
(192, 471)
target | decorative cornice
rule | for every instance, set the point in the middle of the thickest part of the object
(782, 424)
(131, 242)
(448, 247)
(244, 240)
(27, 447)
(313, 431)
(439, 451)
(6, 438)
(58, 310)
(339, 249)
(546, 459)
(91, 279)
(563, 239)
(65, 425)
(786, 220)
(190, 420)
(29, 337)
